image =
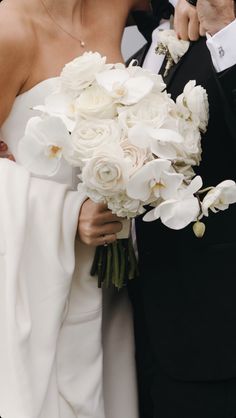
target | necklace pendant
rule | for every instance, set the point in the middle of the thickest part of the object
(82, 44)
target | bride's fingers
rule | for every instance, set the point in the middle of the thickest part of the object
(106, 239)
(110, 228)
(8, 156)
(3, 147)
(4, 151)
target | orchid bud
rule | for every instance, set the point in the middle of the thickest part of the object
(199, 229)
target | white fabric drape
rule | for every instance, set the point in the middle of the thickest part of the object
(36, 268)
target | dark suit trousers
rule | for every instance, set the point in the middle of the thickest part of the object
(162, 396)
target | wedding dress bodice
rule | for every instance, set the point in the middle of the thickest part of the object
(14, 127)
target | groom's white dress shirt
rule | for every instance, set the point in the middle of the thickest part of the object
(221, 47)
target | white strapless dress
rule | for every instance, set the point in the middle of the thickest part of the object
(80, 377)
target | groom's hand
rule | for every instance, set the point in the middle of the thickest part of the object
(214, 15)
(4, 153)
(186, 22)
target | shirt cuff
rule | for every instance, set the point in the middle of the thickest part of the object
(222, 47)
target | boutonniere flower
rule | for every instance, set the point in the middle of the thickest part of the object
(172, 47)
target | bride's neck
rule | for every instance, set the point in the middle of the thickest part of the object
(66, 9)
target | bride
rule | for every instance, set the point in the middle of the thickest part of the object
(51, 355)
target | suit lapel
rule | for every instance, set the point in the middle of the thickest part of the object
(140, 55)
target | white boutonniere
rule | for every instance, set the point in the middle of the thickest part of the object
(172, 47)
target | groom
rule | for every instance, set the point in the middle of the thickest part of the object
(185, 299)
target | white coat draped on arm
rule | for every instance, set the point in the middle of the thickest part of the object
(36, 268)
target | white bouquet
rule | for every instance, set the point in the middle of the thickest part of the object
(134, 145)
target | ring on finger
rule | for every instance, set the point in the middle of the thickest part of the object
(105, 243)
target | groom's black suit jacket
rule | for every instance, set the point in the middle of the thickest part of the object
(187, 286)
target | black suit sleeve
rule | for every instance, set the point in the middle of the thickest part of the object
(226, 81)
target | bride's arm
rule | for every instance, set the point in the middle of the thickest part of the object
(16, 56)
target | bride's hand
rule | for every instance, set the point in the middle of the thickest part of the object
(97, 224)
(4, 153)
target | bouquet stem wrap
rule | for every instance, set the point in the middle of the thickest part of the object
(116, 263)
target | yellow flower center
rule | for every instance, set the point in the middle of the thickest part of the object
(54, 151)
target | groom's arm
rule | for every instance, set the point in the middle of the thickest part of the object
(217, 20)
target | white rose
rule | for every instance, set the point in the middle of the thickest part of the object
(89, 135)
(136, 156)
(94, 102)
(154, 111)
(80, 73)
(107, 172)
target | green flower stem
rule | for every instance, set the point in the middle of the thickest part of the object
(115, 264)
(116, 269)
(122, 264)
(108, 273)
(207, 189)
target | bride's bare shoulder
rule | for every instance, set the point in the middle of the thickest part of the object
(16, 54)
(15, 30)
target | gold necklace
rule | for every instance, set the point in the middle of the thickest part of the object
(81, 41)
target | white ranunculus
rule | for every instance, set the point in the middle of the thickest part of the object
(176, 47)
(44, 144)
(125, 89)
(107, 172)
(136, 156)
(89, 135)
(154, 110)
(155, 179)
(219, 197)
(190, 149)
(94, 102)
(80, 73)
(180, 212)
(193, 104)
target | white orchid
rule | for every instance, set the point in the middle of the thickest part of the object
(44, 144)
(161, 142)
(60, 105)
(154, 179)
(124, 88)
(180, 212)
(219, 197)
